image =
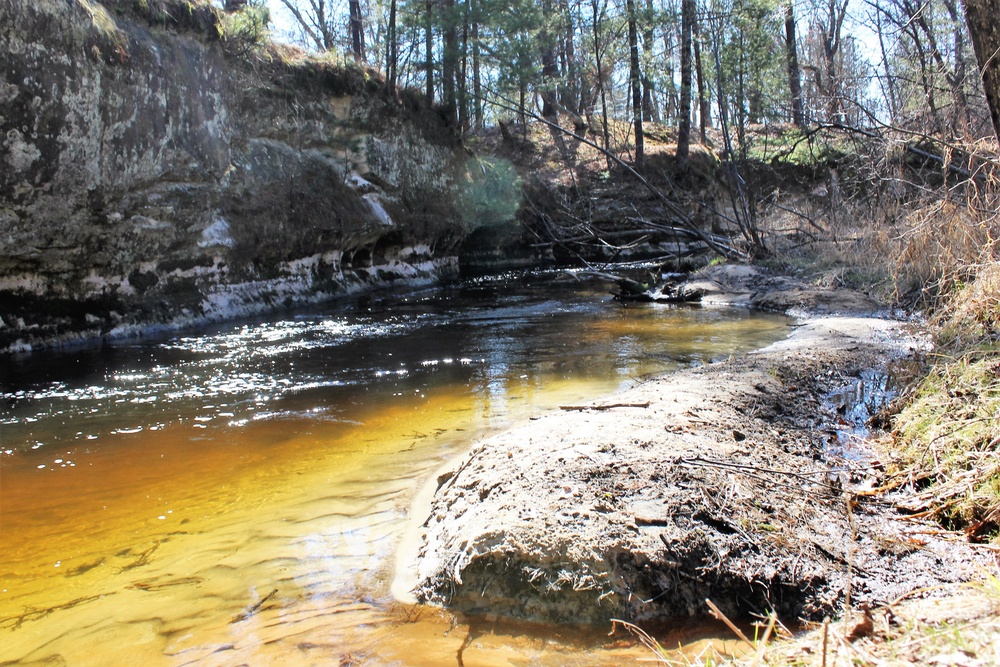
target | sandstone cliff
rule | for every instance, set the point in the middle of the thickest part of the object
(150, 177)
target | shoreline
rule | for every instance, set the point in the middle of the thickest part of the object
(711, 482)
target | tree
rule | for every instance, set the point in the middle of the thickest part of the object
(357, 30)
(429, 49)
(704, 95)
(598, 51)
(315, 21)
(635, 80)
(830, 26)
(982, 17)
(392, 50)
(792, 60)
(684, 115)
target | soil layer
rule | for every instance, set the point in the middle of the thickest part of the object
(718, 482)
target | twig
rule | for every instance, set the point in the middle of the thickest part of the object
(719, 616)
(606, 406)
(644, 638)
(743, 466)
(254, 608)
(826, 633)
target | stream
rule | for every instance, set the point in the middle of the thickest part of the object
(235, 494)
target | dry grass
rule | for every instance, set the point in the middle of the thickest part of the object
(931, 244)
(907, 233)
(960, 628)
(947, 437)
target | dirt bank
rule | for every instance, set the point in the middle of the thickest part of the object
(717, 482)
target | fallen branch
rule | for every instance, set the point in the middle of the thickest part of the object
(606, 406)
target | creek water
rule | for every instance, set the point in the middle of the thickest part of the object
(235, 495)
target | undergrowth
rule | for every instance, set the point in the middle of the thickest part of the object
(947, 437)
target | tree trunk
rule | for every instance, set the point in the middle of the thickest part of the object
(550, 67)
(449, 61)
(392, 50)
(429, 48)
(684, 115)
(357, 30)
(836, 14)
(235, 5)
(600, 81)
(463, 75)
(792, 61)
(670, 103)
(704, 95)
(571, 100)
(889, 87)
(984, 27)
(477, 81)
(635, 79)
(649, 110)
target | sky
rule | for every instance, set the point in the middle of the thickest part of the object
(281, 21)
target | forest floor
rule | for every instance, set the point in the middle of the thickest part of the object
(744, 482)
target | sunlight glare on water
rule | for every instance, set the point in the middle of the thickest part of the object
(236, 495)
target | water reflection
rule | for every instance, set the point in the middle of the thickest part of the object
(236, 494)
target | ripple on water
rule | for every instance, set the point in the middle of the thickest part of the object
(315, 432)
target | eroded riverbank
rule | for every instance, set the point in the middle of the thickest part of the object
(709, 483)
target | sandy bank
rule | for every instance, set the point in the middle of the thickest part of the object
(716, 482)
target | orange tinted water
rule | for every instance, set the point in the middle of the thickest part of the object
(236, 496)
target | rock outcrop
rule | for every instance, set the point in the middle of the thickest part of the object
(150, 177)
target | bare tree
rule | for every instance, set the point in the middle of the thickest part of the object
(829, 20)
(792, 60)
(315, 20)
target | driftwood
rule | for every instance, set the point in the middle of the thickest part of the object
(633, 290)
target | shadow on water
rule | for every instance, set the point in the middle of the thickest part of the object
(236, 494)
